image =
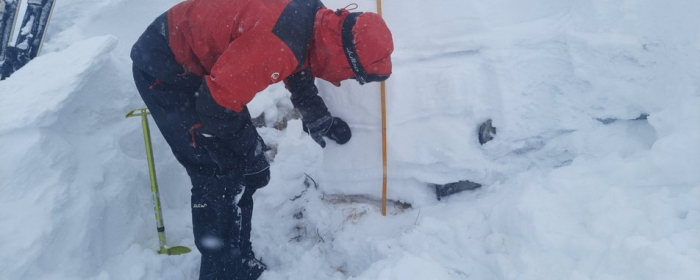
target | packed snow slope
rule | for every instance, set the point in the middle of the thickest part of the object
(594, 173)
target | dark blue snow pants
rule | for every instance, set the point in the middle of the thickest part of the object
(221, 226)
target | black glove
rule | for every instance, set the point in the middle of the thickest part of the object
(256, 166)
(257, 180)
(332, 127)
(252, 268)
(317, 121)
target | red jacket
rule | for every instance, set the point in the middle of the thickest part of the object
(243, 46)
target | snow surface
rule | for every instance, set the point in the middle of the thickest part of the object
(576, 186)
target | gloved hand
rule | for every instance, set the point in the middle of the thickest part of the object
(332, 127)
(252, 268)
(256, 166)
(257, 180)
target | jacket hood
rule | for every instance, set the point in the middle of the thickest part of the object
(373, 45)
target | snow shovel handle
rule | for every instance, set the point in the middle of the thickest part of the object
(143, 113)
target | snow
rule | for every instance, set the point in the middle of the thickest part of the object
(566, 195)
(40, 103)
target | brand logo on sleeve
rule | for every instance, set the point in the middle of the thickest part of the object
(275, 76)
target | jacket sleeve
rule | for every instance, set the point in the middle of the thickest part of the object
(305, 96)
(250, 64)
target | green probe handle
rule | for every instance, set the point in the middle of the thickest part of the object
(143, 113)
(177, 250)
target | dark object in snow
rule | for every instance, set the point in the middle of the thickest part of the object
(396, 206)
(453, 188)
(613, 120)
(307, 183)
(486, 132)
(30, 38)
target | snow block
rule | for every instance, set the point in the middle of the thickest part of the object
(34, 93)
